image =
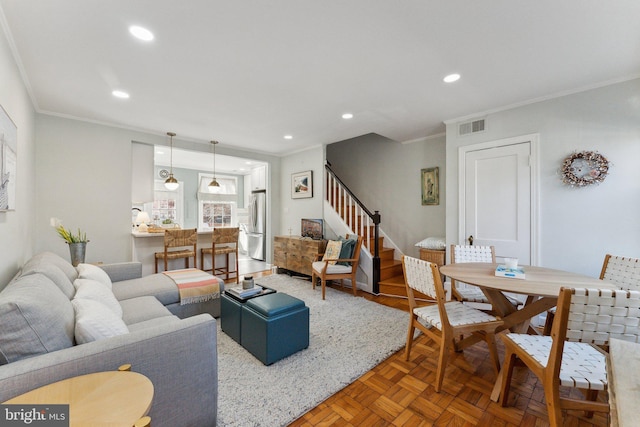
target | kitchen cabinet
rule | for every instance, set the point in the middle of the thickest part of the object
(259, 178)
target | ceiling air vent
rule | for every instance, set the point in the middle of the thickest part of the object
(471, 127)
(163, 173)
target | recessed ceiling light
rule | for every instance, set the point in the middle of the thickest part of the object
(347, 116)
(141, 33)
(120, 94)
(288, 137)
(159, 152)
(451, 78)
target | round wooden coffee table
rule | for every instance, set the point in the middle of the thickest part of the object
(99, 399)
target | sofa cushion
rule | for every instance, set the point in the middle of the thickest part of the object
(318, 266)
(93, 272)
(95, 321)
(40, 265)
(55, 259)
(135, 310)
(94, 290)
(36, 318)
(346, 252)
(153, 323)
(159, 285)
(332, 251)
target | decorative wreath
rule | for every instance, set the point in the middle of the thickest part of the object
(584, 168)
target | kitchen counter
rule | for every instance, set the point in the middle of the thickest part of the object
(145, 245)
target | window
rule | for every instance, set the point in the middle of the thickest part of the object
(217, 209)
(216, 214)
(167, 205)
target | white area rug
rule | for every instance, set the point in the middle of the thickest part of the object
(348, 336)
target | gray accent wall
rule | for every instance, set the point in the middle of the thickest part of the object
(386, 176)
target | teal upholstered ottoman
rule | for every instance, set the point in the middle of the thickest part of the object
(274, 326)
(230, 312)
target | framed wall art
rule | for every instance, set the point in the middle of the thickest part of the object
(430, 186)
(8, 162)
(302, 185)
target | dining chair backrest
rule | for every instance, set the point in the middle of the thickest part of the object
(467, 253)
(594, 316)
(623, 272)
(419, 276)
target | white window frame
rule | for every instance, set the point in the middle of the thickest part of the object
(227, 196)
(179, 201)
(205, 226)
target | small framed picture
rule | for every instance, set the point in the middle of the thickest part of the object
(430, 187)
(302, 185)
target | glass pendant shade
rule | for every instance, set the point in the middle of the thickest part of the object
(214, 186)
(171, 183)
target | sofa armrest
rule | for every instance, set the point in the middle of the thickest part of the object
(123, 270)
(180, 359)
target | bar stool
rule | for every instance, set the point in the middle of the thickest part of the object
(224, 242)
(177, 238)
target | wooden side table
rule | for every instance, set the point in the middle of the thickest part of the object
(98, 399)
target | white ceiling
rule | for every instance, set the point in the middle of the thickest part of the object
(189, 159)
(248, 72)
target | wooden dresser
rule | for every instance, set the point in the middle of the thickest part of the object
(296, 253)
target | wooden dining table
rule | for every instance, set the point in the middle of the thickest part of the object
(540, 285)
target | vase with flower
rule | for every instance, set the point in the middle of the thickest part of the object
(77, 241)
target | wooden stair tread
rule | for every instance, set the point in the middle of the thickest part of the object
(394, 281)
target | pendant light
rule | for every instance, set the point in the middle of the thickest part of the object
(214, 187)
(171, 183)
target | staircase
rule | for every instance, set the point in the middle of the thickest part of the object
(362, 222)
(356, 218)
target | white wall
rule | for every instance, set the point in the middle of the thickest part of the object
(84, 179)
(578, 226)
(292, 210)
(16, 234)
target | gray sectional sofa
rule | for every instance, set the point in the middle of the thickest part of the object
(45, 337)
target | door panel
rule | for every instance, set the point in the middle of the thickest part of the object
(497, 199)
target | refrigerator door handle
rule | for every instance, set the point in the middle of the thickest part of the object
(254, 209)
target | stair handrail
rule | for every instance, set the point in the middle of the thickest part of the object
(339, 195)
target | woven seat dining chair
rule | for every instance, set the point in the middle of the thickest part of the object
(444, 321)
(585, 318)
(468, 253)
(624, 272)
(224, 242)
(186, 240)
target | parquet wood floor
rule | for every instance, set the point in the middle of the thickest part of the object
(400, 393)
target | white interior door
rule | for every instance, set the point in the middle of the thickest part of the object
(497, 198)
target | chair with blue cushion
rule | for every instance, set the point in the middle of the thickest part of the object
(344, 266)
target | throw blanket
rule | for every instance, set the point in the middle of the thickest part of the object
(195, 285)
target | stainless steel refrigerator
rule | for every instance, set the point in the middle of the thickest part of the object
(256, 229)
